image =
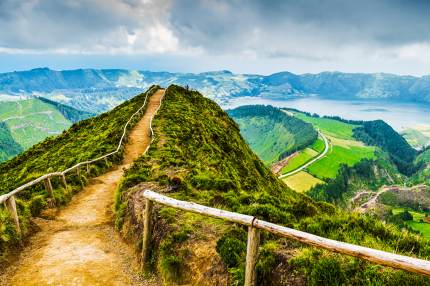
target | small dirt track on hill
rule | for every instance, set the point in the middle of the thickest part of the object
(80, 246)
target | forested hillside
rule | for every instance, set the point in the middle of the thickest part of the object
(199, 155)
(8, 146)
(272, 133)
(379, 133)
(72, 114)
(85, 140)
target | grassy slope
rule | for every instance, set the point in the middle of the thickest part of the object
(276, 139)
(70, 113)
(416, 223)
(8, 146)
(32, 120)
(84, 140)
(272, 133)
(345, 149)
(199, 151)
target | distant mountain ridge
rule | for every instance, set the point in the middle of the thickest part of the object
(98, 90)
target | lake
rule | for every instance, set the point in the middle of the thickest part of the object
(399, 115)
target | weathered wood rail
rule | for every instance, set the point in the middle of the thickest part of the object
(255, 225)
(9, 199)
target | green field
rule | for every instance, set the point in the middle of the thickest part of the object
(328, 166)
(30, 121)
(328, 126)
(416, 224)
(344, 149)
(302, 158)
(318, 145)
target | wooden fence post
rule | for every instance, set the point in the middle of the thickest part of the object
(251, 255)
(11, 207)
(78, 171)
(88, 168)
(146, 233)
(63, 181)
(48, 187)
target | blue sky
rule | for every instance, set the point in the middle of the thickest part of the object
(244, 36)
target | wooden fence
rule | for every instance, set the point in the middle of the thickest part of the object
(255, 225)
(9, 199)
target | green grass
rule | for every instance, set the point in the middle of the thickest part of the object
(416, 224)
(297, 161)
(276, 139)
(85, 140)
(318, 145)
(207, 161)
(328, 126)
(271, 133)
(328, 166)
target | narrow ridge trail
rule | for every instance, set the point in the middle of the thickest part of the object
(80, 246)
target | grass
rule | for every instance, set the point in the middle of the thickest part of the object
(417, 223)
(328, 126)
(301, 182)
(271, 133)
(318, 145)
(207, 161)
(328, 166)
(85, 140)
(344, 149)
(298, 160)
(276, 140)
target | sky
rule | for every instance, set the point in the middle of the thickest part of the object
(244, 36)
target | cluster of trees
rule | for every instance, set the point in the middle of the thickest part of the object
(303, 132)
(378, 133)
(8, 146)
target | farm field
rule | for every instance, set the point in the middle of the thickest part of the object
(344, 149)
(303, 157)
(329, 127)
(302, 181)
(416, 224)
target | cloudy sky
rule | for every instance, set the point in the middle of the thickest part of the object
(245, 36)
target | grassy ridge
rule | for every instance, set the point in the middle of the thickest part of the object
(85, 140)
(199, 156)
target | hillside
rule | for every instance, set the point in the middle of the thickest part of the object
(271, 133)
(8, 146)
(31, 121)
(199, 155)
(99, 90)
(85, 140)
(379, 133)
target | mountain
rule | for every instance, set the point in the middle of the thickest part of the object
(32, 120)
(99, 90)
(272, 133)
(198, 155)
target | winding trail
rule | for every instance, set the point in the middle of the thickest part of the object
(304, 166)
(80, 246)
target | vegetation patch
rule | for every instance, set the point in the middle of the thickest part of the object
(302, 181)
(195, 139)
(85, 140)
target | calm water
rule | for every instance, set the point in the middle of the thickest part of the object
(398, 115)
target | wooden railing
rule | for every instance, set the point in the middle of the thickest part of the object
(9, 199)
(255, 225)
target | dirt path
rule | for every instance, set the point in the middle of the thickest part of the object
(80, 246)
